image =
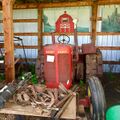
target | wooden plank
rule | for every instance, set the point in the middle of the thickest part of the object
(36, 47)
(39, 29)
(11, 108)
(112, 62)
(108, 2)
(8, 38)
(28, 59)
(64, 4)
(24, 34)
(26, 47)
(108, 48)
(79, 33)
(84, 33)
(22, 20)
(94, 22)
(21, 47)
(104, 62)
(70, 111)
(52, 5)
(108, 33)
(100, 47)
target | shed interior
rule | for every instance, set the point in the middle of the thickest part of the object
(28, 25)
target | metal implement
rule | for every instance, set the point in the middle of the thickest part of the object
(9, 90)
(21, 40)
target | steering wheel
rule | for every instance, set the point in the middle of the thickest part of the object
(63, 38)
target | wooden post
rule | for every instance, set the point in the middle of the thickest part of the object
(39, 29)
(94, 22)
(8, 40)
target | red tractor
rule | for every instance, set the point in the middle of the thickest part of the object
(63, 63)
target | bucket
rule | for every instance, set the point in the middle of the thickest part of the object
(113, 113)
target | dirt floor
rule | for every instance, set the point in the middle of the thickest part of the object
(111, 84)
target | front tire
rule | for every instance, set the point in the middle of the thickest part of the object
(97, 98)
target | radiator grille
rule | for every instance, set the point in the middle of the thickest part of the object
(64, 68)
(50, 72)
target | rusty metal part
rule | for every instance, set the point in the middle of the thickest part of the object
(40, 103)
(25, 97)
(22, 98)
(39, 88)
(88, 48)
(48, 100)
(55, 91)
(32, 88)
(52, 99)
(44, 94)
(19, 98)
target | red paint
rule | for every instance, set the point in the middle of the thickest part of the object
(85, 102)
(64, 24)
(60, 69)
(88, 48)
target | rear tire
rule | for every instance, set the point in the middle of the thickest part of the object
(97, 98)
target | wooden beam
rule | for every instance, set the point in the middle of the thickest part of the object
(52, 5)
(26, 6)
(64, 4)
(24, 34)
(21, 47)
(22, 20)
(112, 62)
(104, 62)
(79, 33)
(8, 38)
(108, 48)
(26, 47)
(94, 22)
(36, 47)
(108, 33)
(108, 2)
(40, 13)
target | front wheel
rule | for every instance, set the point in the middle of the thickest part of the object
(96, 95)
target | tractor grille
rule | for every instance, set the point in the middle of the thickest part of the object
(63, 68)
(50, 72)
